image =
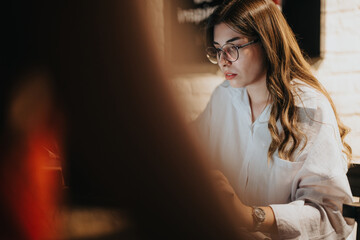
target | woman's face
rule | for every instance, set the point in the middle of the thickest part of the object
(250, 68)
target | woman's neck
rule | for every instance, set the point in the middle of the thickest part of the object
(259, 98)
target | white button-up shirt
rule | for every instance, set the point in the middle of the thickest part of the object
(307, 194)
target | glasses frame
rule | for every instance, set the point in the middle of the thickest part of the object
(220, 51)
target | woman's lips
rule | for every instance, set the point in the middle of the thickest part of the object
(230, 76)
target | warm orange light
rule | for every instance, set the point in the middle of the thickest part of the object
(34, 191)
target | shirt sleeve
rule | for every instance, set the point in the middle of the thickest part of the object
(320, 187)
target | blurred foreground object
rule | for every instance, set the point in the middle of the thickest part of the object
(31, 179)
(129, 157)
(30, 172)
(127, 147)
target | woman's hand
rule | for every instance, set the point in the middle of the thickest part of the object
(241, 211)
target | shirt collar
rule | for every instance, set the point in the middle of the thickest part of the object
(241, 100)
(265, 115)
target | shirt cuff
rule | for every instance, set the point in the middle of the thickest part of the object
(287, 220)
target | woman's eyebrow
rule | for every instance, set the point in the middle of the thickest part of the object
(230, 40)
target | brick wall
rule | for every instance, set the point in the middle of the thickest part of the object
(339, 70)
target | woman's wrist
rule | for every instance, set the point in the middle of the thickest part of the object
(246, 217)
(269, 223)
(258, 215)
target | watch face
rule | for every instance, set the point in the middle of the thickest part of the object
(259, 214)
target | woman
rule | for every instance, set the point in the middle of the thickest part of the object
(273, 129)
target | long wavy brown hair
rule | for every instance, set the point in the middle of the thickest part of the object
(285, 62)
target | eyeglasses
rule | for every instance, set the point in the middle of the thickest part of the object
(230, 51)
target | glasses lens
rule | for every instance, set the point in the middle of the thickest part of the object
(211, 54)
(231, 52)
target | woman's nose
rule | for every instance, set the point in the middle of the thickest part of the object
(222, 60)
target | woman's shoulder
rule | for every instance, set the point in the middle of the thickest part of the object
(225, 91)
(224, 84)
(309, 97)
(220, 89)
(313, 103)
